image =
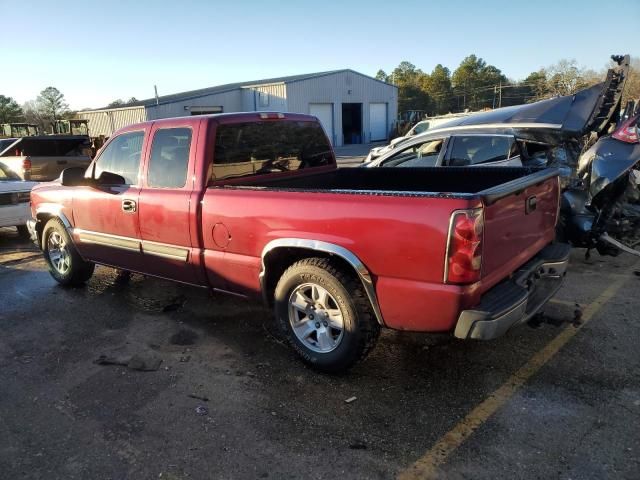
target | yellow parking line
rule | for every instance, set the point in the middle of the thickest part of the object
(426, 467)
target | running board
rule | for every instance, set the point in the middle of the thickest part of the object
(606, 238)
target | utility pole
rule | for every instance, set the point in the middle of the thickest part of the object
(494, 96)
(464, 98)
(500, 95)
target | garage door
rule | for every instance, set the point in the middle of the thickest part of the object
(378, 121)
(324, 112)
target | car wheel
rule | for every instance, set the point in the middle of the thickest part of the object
(324, 313)
(65, 264)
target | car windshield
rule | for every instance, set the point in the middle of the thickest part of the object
(6, 174)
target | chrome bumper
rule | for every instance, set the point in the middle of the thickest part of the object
(516, 300)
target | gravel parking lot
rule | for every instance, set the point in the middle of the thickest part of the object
(229, 400)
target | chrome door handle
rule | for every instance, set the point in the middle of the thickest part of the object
(129, 206)
(531, 205)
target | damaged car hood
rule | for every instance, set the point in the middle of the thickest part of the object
(589, 110)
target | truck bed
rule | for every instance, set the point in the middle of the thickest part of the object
(490, 183)
(395, 219)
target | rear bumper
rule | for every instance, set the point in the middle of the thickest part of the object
(516, 300)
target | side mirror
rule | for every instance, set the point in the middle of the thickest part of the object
(108, 178)
(73, 177)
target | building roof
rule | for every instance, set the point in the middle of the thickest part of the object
(176, 97)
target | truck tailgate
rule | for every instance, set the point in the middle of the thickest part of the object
(519, 222)
(49, 168)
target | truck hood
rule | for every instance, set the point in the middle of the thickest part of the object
(589, 110)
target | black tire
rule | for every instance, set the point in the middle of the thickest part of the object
(23, 232)
(76, 271)
(360, 328)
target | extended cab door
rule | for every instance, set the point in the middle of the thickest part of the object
(168, 203)
(106, 225)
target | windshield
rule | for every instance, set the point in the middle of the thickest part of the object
(7, 174)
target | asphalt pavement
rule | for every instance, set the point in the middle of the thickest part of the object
(140, 378)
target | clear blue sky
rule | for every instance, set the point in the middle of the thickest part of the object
(95, 52)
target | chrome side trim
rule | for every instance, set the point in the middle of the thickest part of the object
(147, 247)
(333, 249)
(550, 126)
(108, 240)
(165, 250)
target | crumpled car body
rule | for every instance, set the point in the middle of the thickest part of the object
(601, 200)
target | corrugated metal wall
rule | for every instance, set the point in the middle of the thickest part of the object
(230, 101)
(339, 88)
(296, 97)
(265, 98)
(105, 122)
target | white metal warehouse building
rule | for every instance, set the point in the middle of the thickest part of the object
(352, 107)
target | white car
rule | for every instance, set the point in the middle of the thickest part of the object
(417, 129)
(14, 200)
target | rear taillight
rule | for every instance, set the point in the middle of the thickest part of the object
(464, 248)
(627, 131)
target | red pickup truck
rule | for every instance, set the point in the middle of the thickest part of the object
(253, 204)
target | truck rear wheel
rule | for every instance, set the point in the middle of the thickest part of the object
(325, 315)
(65, 264)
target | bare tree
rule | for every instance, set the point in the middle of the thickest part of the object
(632, 86)
(33, 115)
(566, 78)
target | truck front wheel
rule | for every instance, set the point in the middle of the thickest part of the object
(325, 315)
(65, 264)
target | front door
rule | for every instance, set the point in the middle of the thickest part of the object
(106, 216)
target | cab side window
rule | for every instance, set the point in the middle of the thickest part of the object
(423, 154)
(169, 158)
(122, 157)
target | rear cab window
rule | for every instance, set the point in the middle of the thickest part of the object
(468, 150)
(259, 148)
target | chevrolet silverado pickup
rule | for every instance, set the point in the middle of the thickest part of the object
(253, 204)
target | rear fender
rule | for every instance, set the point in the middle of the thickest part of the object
(311, 246)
